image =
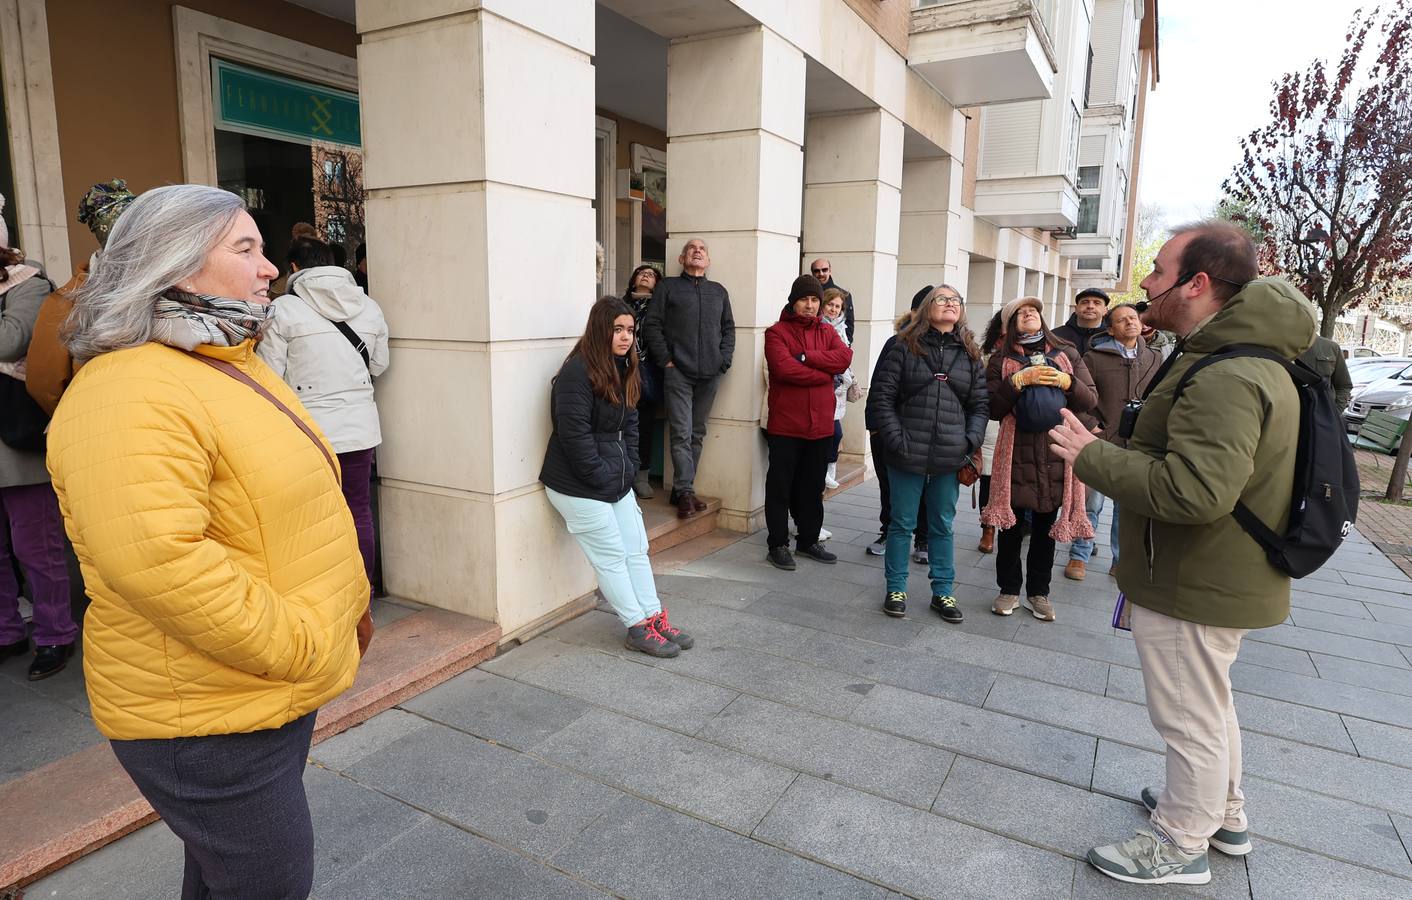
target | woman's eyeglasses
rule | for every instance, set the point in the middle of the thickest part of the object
(947, 301)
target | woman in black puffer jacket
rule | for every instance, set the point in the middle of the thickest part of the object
(589, 468)
(929, 404)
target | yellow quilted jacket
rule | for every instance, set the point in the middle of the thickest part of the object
(216, 546)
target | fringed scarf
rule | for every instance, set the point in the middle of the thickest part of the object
(1073, 520)
(189, 320)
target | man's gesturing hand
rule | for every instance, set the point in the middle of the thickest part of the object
(1069, 437)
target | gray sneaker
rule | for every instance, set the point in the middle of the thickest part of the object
(1147, 858)
(878, 547)
(921, 556)
(1228, 841)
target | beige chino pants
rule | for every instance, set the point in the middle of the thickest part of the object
(1186, 669)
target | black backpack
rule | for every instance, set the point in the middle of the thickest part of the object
(1324, 503)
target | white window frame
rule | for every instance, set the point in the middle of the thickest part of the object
(200, 36)
(38, 207)
(608, 201)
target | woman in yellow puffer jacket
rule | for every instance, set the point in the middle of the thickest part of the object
(228, 595)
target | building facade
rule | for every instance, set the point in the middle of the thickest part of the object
(482, 147)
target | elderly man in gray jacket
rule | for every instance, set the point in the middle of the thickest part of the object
(689, 331)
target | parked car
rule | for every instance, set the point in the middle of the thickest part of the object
(1368, 369)
(1358, 352)
(1390, 391)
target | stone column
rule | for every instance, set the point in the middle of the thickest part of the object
(735, 126)
(482, 253)
(852, 198)
(1012, 283)
(984, 292)
(929, 242)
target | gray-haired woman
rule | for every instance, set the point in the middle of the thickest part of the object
(228, 595)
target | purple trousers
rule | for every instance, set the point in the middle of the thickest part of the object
(357, 466)
(32, 529)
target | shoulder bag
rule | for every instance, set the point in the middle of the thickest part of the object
(22, 421)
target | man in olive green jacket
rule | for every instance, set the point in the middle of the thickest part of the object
(1195, 580)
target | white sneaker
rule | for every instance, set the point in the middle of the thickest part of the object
(825, 534)
(830, 481)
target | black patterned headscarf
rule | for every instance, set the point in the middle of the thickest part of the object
(101, 205)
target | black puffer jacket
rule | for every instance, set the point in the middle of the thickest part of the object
(929, 426)
(593, 450)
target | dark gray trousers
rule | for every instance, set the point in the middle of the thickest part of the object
(237, 802)
(688, 407)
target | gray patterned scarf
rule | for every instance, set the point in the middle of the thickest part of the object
(190, 320)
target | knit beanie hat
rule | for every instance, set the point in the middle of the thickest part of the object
(804, 286)
(1009, 310)
(101, 205)
(921, 295)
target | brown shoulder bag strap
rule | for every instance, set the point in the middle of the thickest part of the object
(221, 365)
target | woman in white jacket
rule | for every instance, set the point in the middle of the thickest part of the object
(328, 340)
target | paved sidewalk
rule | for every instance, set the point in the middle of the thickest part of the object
(811, 747)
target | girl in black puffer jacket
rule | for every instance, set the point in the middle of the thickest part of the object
(589, 468)
(929, 404)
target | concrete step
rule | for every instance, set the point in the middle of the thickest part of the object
(76, 804)
(665, 530)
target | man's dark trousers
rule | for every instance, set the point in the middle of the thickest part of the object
(688, 408)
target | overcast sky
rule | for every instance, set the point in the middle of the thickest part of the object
(1218, 59)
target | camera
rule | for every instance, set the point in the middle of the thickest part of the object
(1128, 421)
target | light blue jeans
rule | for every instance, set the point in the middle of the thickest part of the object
(615, 541)
(907, 489)
(1082, 548)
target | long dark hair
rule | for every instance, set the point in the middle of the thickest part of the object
(596, 348)
(913, 332)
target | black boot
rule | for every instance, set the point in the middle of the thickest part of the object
(50, 661)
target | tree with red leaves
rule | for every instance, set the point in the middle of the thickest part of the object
(1326, 185)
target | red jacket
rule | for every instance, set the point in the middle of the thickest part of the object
(801, 393)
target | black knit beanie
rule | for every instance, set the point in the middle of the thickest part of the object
(805, 285)
(921, 295)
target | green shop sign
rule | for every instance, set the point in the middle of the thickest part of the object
(254, 102)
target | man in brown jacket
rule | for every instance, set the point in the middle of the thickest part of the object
(1122, 365)
(49, 368)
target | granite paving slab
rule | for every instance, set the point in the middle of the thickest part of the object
(616, 683)
(437, 860)
(1043, 665)
(1328, 643)
(498, 709)
(1375, 740)
(1028, 746)
(1116, 720)
(147, 863)
(642, 850)
(924, 855)
(502, 794)
(1287, 873)
(719, 785)
(1394, 679)
(1351, 699)
(343, 750)
(826, 748)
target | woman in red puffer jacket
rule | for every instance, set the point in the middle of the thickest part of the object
(803, 355)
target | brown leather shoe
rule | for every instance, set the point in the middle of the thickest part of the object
(987, 544)
(1075, 570)
(685, 508)
(697, 503)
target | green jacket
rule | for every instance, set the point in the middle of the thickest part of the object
(1231, 437)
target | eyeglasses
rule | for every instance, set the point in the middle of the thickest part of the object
(948, 301)
(818, 271)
